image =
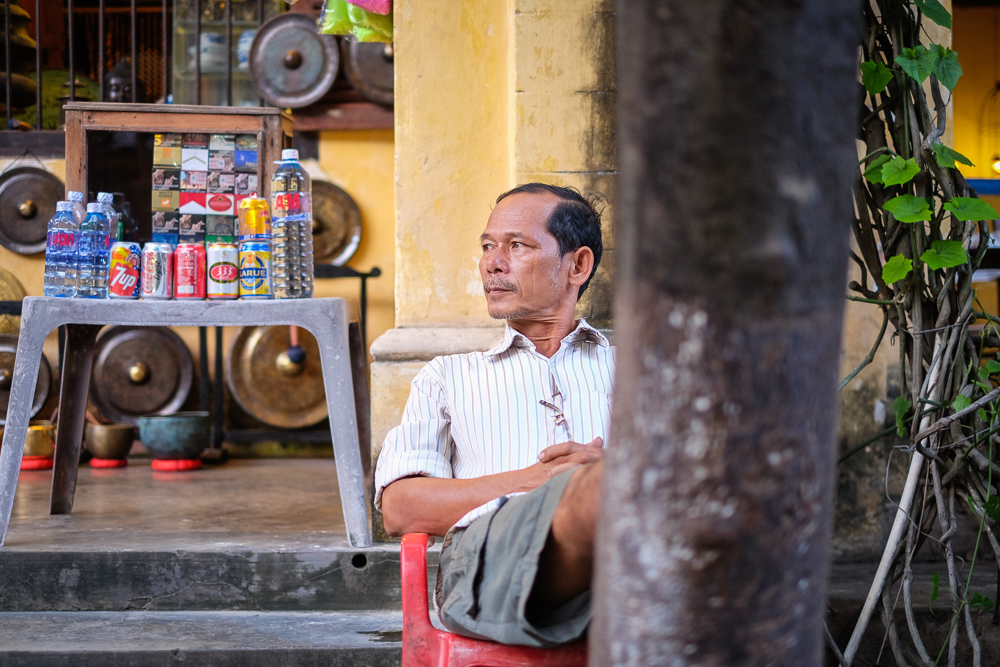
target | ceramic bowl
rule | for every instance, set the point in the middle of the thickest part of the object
(41, 440)
(110, 441)
(183, 435)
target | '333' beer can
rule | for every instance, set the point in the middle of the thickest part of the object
(123, 271)
(157, 271)
(223, 271)
(255, 270)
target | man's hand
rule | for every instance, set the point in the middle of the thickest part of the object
(568, 455)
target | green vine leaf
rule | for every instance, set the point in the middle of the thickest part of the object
(947, 68)
(992, 507)
(968, 209)
(874, 171)
(898, 171)
(982, 414)
(945, 254)
(918, 62)
(935, 11)
(947, 157)
(993, 366)
(908, 208)
(961, 402)
(979, 600)
(875, 76)
(935, 586)
(896, 269)
(899, 408)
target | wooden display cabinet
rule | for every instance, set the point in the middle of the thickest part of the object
(109, 147)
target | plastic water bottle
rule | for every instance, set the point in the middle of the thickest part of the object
(291, 226)
(95, 246)
(79, 208)
(107, 201)
(60, 252)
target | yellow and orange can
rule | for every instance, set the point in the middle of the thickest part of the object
(254, 219)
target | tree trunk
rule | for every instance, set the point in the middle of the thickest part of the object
(736, 122)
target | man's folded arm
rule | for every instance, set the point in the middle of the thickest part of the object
(419, 504)
(433, 504)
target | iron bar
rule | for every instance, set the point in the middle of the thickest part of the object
(260, 22)
(218, 428)
(38, 64)
(197, 51)
(6, 46)
(101, 48)
(72, 69)
(229, 52)
(135, 59)
(203, 369)
(163, 51)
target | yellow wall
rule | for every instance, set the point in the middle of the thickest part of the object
(976, 38)
(361, 162)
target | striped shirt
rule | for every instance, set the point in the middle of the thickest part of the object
(482, 413)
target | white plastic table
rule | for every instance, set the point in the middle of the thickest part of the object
(327, 319)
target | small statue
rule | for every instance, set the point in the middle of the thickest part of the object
(118, 84)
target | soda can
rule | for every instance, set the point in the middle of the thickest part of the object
(254, 219)
(223, 271)
(255, 270)
(157, 271)
(189, 271)
(123, 270)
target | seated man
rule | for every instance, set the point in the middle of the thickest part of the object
(502, 451)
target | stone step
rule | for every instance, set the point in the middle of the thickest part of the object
(209, 638)
(331, 579)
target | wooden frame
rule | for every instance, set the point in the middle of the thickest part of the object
(273, 128)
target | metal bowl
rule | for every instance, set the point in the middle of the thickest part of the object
(110, 441)
(183, 435)
(41, 440)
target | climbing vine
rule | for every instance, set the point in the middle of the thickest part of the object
(920, 232)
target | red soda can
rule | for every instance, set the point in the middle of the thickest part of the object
(223, 271)
(157, 271)
(189, 271)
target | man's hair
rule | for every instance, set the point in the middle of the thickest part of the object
(575, 222)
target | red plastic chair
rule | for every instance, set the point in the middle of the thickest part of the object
(426, 646)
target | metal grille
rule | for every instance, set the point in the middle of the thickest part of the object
(95, 38)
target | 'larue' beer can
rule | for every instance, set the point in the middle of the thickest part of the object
(255, 270)
(123, 270)
(223, 271)
(254, 219)
(157, 271)
(189, 271)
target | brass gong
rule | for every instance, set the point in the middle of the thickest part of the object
(140, 371)
(291, 65)
(8, 350)
(28, 197)
(272, 386)
(336, 224)
(10, 290)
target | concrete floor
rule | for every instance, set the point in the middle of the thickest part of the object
(258, 505)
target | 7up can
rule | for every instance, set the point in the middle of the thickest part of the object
(123, 271)
(255, 270)
(223, 271)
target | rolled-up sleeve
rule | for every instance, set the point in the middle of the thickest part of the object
(421, 444)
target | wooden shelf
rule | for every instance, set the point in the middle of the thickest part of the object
(342, 116)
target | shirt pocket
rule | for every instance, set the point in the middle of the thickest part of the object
(595, 420)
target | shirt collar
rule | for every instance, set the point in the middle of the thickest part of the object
(514, 338)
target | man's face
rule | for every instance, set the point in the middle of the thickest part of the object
(524, 275)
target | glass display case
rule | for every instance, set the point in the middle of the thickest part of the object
(204, 36)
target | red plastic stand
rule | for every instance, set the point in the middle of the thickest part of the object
(424, 645)
(108, 463)
(36, 463)
(176, 465)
